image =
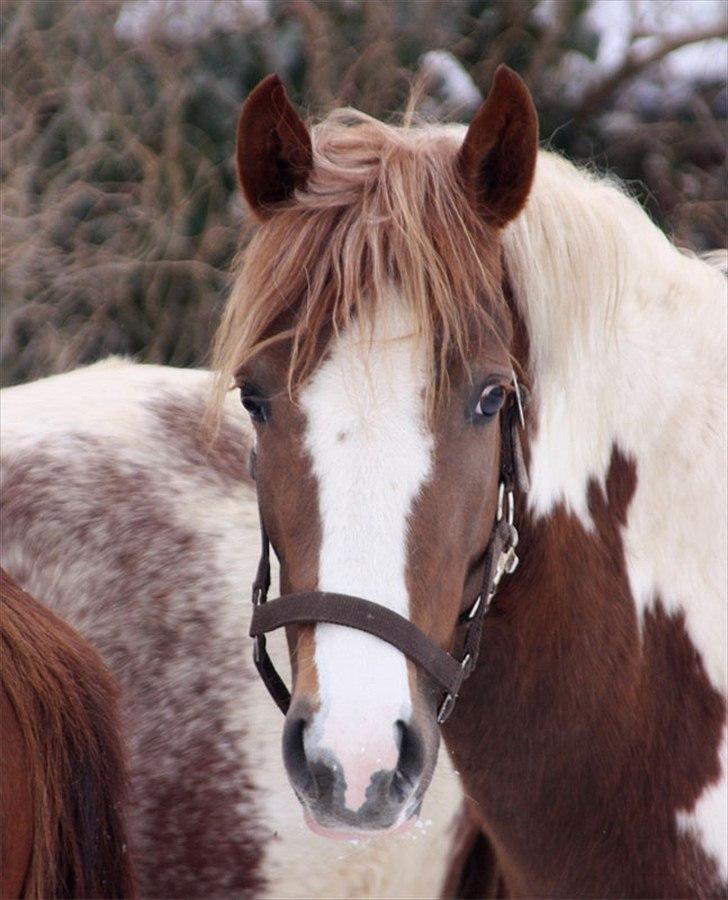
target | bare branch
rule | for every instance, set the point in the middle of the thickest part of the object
(635, 63)
(548, 47)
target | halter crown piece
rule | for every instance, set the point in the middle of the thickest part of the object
(444, 668)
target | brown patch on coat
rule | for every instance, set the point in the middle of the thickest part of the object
(577, 740)
(222, 452)
(147, 591)
(453, 513)
(288, 497)
(64, 745)
(288, 494)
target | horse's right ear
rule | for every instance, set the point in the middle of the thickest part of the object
(274, 152)
(497, 160)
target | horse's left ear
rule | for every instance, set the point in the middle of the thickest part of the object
(498, 156)
(274, 152)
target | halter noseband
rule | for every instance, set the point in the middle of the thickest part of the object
(354, 612)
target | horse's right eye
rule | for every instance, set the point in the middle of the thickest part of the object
(256, 406)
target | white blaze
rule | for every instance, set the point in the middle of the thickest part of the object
(371, 455)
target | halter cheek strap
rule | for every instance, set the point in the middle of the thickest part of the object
(445, 669)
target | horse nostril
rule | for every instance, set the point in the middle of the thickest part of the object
(411, 760)
(294, 754)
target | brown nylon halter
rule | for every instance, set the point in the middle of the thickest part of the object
(354, 612)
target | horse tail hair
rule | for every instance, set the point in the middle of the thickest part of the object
(66, 705)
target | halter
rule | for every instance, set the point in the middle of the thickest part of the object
(447, 670)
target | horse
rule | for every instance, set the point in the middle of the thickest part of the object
(138, 523)
(450, 342)
(62, 775)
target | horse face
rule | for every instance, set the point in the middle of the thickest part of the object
(364, 493)
(366, 488)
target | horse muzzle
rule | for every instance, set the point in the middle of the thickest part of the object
(362, 785)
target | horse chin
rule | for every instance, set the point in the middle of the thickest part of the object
(402, 826)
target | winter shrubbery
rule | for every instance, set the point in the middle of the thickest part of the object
(120, 213)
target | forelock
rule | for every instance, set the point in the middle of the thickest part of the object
(383, 206)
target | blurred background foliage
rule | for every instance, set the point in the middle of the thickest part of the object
(120, 213)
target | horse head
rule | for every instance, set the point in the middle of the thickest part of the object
(372, 342)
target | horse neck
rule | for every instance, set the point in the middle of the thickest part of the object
(541, 697)
(567, 736)
(624, 343)
(574, 737)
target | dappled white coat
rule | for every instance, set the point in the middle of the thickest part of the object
(77, 435)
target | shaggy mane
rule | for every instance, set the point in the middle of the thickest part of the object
(383, 206)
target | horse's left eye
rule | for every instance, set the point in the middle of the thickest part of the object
(490, 401)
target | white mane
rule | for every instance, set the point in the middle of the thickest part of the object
(628, 347)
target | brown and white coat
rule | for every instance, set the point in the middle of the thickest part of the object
(115, 506)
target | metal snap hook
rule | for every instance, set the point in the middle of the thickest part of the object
(475, 607)
(511, 507)
(446, 708)
(466, 667)
(258, 648)
(506, 503)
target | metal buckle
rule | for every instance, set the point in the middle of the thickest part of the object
(507, 562)
(510, 562)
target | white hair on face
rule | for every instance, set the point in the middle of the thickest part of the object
(371, 454)
(627, 337)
